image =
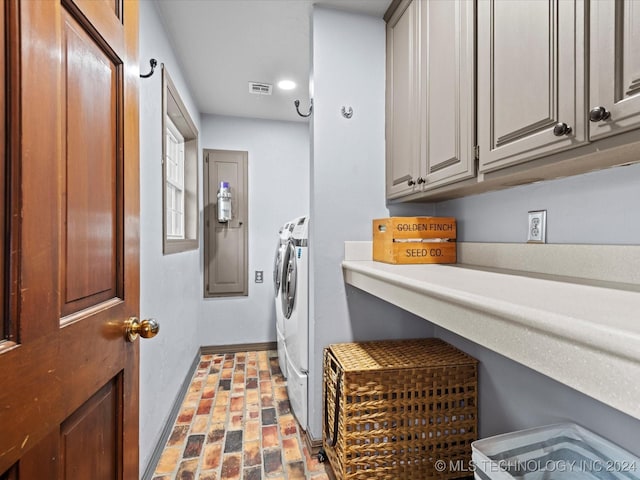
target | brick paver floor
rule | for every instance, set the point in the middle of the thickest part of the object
(236, 423)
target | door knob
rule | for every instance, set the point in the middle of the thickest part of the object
(411, 182)
(597, 114)
(561, 129)
(421, 180)
(145, 328)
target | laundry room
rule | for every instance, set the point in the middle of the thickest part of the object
(320, 239)
(330, 169)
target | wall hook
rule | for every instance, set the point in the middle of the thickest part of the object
(347, 113)
(297, 104)
(154, 63)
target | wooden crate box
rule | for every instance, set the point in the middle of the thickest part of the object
(406, 240)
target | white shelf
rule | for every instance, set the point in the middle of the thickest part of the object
(584, 336)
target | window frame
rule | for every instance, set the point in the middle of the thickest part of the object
(174, 112)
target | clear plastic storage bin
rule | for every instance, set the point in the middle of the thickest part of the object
(555, 452)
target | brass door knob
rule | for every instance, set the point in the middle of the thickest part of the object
(145, 328)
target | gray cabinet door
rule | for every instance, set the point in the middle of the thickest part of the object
(530, 78)
(615, 67)
(226, 243)
(402, 155)
(447, 90)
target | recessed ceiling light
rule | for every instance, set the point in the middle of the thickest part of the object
(286, 84)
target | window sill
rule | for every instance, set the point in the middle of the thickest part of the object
(586, 336)
(178, 246)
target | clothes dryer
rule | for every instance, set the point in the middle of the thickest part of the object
(283, 238)
(295, 309)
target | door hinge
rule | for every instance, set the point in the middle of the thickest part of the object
(476, 152)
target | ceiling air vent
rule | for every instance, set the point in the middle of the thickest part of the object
(260, 88)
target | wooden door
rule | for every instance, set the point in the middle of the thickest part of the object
(447, 91)
(530, 78)
(615, 67)
(69, 385)
(402, 128)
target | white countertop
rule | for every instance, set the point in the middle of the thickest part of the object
(584, 336)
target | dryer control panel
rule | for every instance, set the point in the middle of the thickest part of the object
(300, 233)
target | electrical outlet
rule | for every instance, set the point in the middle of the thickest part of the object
(259, 276)
(537, 232)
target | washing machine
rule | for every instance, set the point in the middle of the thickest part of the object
(283, 238)
(295, 309)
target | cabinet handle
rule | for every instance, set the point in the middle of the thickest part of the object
(411, 183)
(597, 114)
(561, 129)
(421, 180)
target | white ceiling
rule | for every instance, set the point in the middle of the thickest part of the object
(224, 44)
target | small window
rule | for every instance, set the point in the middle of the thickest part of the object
(174, 165)
(180, 172)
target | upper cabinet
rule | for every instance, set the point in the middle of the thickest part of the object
(402, 131)
(531, 81)
(615, 68)
(447, 91)
(486, 94)
(430, 95)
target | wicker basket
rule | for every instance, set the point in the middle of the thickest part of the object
(402, 409)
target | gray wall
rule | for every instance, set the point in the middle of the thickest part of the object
(514, 397)
(278, 192)
(599, 208)
(169, 285)
(347, 187)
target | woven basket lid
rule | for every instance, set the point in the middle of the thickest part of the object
(394, 354)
